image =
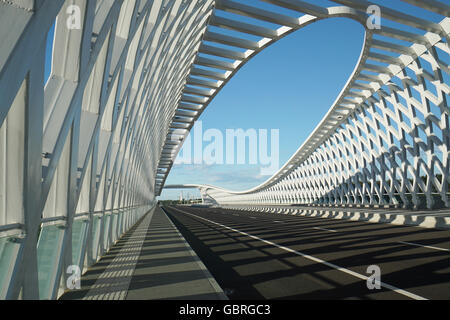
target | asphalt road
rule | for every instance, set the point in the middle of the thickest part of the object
(255, 256)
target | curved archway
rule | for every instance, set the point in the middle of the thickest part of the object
(197, 100)
(383, 84)
(289, 86)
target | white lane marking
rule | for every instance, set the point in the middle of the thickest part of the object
(331, 265)
(421, 245)
(323, 229)
(277, 221)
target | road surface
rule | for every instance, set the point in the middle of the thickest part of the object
(255, 255)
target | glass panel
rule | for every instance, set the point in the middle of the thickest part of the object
(127, 218)
(79, 231)
(96, 223)
(9, 253)
(49, 258)
(106, 221)
(114, 227)
(121, 221)
(131, 218)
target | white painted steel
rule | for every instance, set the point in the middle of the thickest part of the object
(84, 155)
(80, 152)
(385, 140)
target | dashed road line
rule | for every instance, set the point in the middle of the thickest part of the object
(424, 246)
(312, 258)
(324, 229)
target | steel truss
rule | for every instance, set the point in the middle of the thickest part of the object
(79, 154)
(84, 154)
(385, 140)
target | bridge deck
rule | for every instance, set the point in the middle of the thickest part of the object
(151, 261)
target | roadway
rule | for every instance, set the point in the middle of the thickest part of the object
(255, 255)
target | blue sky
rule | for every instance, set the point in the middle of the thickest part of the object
(48, 56)
(289, 86)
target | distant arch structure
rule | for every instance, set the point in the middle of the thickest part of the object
(84, 155)
(385, 140)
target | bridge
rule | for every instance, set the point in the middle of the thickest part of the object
(85, 154)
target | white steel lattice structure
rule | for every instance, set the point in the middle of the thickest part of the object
(80, 153)
(84, 154)
(385, 140)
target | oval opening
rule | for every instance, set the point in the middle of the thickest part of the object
(289, 86)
